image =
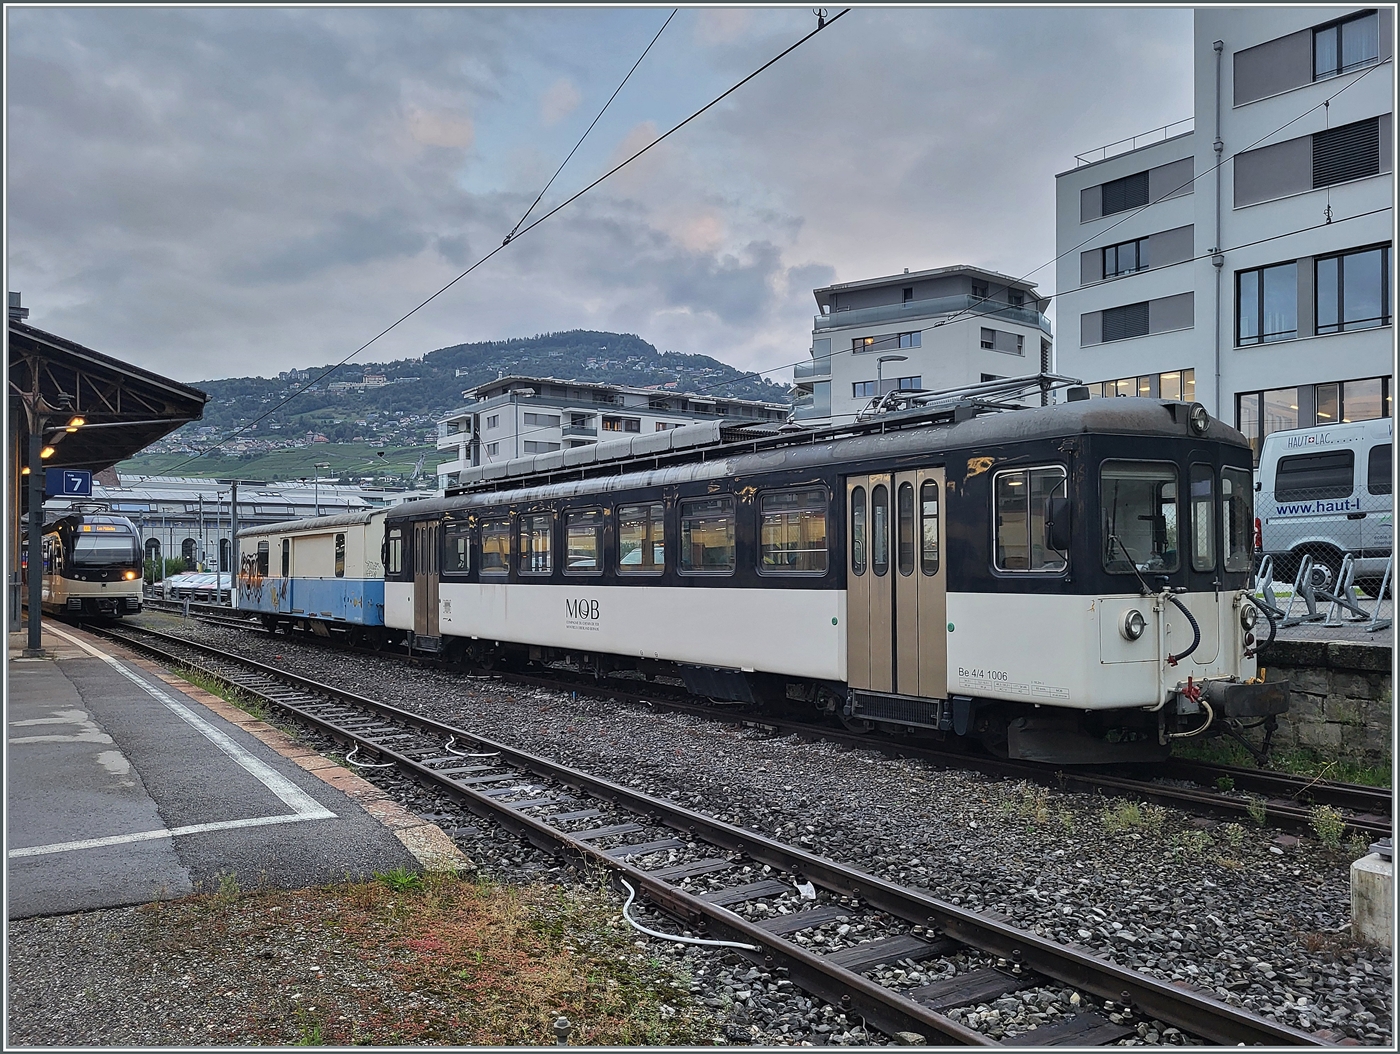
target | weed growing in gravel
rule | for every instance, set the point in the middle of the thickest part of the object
(1234, 834)
(1258, 809)
(250, 706)
(1328, 825)
(1358, 845)
(1224, 783)
(1302, 761)
(1194, 843)
(400, 879)
(1066, 821)
(229, 889)
(310, 1030)
(1125, 816)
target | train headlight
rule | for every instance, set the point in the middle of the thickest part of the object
(1199, 418)
(1249, 615)
(130, 576)
(1132, 624)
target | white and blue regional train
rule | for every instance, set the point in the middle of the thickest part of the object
(1064, 583)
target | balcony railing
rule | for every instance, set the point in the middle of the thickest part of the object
(453, 441)
(810, 371)
(1123, 146)
(579, 430)
(973, 306)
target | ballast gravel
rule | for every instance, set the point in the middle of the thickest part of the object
(1260, 921)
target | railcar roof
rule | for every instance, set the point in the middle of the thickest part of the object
(310, 524)
(908, 432)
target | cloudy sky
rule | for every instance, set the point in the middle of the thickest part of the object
(219, 192)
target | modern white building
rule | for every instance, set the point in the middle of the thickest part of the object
(515, 417)
(940, 328)
(1245, 262)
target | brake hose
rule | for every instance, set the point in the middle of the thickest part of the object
(1273, 630)
(1172, 660)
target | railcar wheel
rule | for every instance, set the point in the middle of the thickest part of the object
(859, 725)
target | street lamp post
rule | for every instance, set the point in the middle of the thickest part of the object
(319, 465)
(880, 371)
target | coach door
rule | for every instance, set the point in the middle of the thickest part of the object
(896, 606)
(425, 578)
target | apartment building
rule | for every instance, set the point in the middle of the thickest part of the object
(1245, 261)
(926, 330)
(515, 417)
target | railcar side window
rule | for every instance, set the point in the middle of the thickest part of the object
(535, 534)
(286, 557)
(641, 539)
(1237, 502)
(792, 531)
(858, 531)
(904, 541)
(495, 547)
(340, 556)
(707, 536)
(456, 548)
(1022, 497)
(928, 527)
(1139, 516)
(880, 530)
(393, 552)
(262, 559)
(1202, 518)
(583, 541)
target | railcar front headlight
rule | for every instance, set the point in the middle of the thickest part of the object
(1199, 418)
(1132, 624)
(1249, 615)
(130, 576)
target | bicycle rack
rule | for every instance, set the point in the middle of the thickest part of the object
(1343, 596)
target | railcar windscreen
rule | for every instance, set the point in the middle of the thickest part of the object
(97, 550)
(1022, 497)
(1237, 497)
(1202, 518)
(1139, 516)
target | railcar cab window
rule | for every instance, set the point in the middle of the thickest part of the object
(263, 560)
(97, 549)
(456, 548)
(641, 539)
(535, 535)
(1022, 522)
(928, 527)
(340, 556)
(393, 552)
(792, 534)
(707, 536)
(495, 547)
(583, 542)
(286, 557)
(1237, 503)
(858, 531)
(1202, 518)
(1139, 516)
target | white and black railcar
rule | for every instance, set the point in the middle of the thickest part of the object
(92, 566)
(1023, 578)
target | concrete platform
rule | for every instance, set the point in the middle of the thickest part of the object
(125, 784)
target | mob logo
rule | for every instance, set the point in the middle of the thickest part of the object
(582, 609)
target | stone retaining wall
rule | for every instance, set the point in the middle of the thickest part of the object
(1341, 696)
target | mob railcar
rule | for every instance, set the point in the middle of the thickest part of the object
(1064, 583)
(323, 574)
(92, 566)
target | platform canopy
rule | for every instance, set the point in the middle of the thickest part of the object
(123, 407)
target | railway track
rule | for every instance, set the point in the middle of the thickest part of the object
(826, 924)
(1280, 800)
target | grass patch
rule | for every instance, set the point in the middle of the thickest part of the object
(441, 959)
(249, 705)
(1127, 816)
(1300, 762)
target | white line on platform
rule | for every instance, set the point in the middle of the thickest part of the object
(303, 805)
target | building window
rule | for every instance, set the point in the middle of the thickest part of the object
(888, 342)
(579, 420)
(1266, 302)
(542, 420)
(622, 424)
(536, 532)
(979, 290)
(1353, 290)
(534, 447)
(1125, 258)
(793, 532)
(986, 377)
(1352, 151)
(1022, 498)
(492, 449)
(1120, 323)
(908, 295)
(583, 541)
(1176, 385)
(989, 339)
(1016, 299)
(641, 539)
(494, 421)
(909, 384)
(707, 536)
(1346, 45)
(1130, 192)
(862, 389)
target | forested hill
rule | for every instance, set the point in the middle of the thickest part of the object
(433, 385)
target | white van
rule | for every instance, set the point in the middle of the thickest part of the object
(1325, 491)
